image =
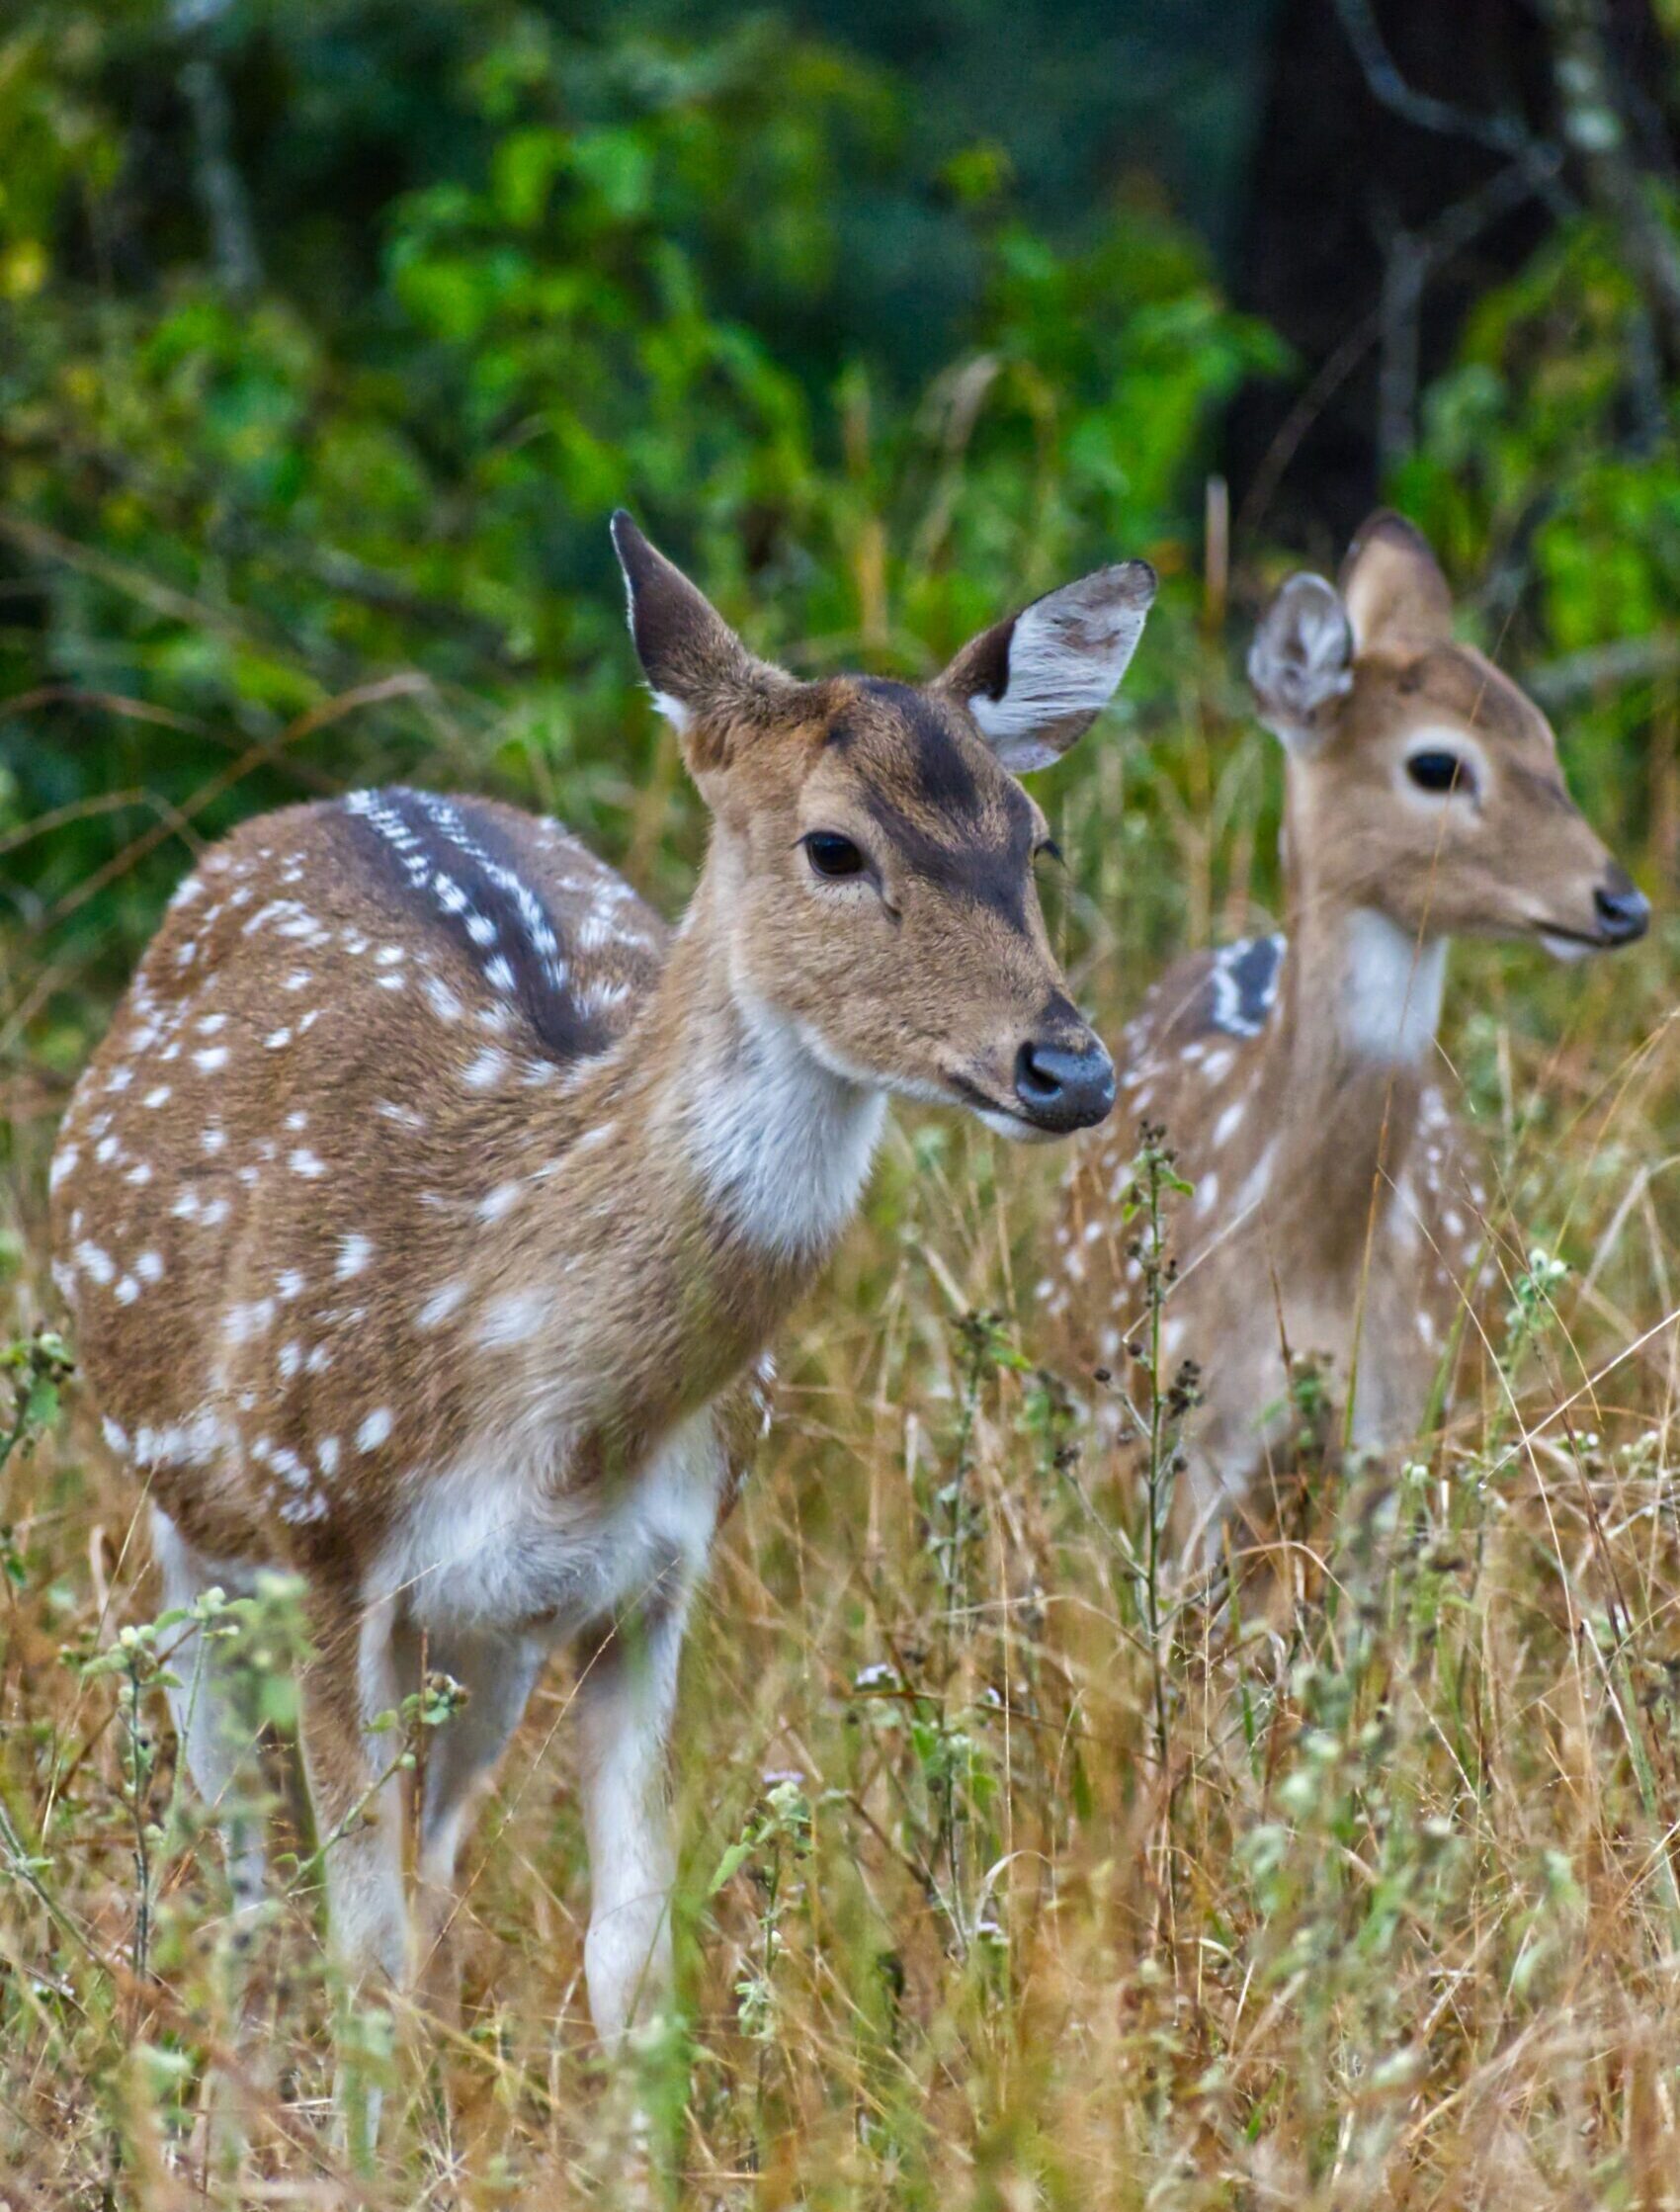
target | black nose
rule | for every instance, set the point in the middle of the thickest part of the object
(1623, 910)
(1060, 1089)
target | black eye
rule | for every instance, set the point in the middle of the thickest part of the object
(1441, 772)
(833, 856)
(1049, 850)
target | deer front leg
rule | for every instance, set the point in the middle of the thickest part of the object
(627, 1696)
(497, 1673)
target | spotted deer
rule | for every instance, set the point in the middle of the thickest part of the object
(429, 1203)
(1338, 1204)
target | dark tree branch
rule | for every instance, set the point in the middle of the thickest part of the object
(1506, 136)
(1596, 129)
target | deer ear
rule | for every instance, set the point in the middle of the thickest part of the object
(694, 662)
(1393, 588)
(1299, 661)
(1037, 681)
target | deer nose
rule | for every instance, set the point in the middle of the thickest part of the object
(1063, 1090)
(1623, 911)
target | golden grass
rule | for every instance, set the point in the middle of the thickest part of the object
(1396, 1924)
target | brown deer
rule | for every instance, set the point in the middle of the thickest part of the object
(1338, 1205)
(429, 1203)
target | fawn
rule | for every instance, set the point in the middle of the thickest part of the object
(1338, 1205)
(428, 1205)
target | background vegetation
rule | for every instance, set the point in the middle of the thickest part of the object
(329, 338)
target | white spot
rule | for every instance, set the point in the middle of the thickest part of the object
(1230, 1120)
(213, 1140)
(93, 1260)
(210, 1023)
(276, 1038)
(326, 1455)
(304, 1163)
(354, 1253)
(512, 1318)
(1206, 1194)
(290, 1358)
(64, 1163)
(487, 1070)
(389, 956)
(156, 1095)
(442, 1000)
(149, 1267)
(127, 1290)
(500, 1202)
(440, 1306)
(374, 1430)
(244, 1322)
(297, 1120)
(210, 1058)
(115, 1435)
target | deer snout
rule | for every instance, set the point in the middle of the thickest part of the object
(1062, 1088)
(1623, 909)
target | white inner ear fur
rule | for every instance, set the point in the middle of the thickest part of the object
(1068, 652)
(1300, 658)
(673, 710)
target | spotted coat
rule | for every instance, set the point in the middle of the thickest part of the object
(287, 1191)
(1296, 1153)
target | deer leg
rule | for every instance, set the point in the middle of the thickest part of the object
(497, 1673)
(626, 1700)
(218, 1744)
(356, 1795)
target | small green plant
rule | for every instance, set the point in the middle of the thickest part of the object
(36, 1367)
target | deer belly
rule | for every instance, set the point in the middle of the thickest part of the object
(492, 1542)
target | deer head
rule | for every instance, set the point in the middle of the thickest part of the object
(1423, 783)
(873, 851)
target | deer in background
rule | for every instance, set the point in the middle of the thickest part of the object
(1338, 1204)
(429, 1203)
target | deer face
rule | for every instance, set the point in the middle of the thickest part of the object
(875, 852)
(1422, 783)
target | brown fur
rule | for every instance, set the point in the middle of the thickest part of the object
(435, 1265)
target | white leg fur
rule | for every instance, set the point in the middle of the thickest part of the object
(216, 1745)
(357, 1802)
(625, 1701)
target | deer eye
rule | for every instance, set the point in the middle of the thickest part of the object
(835, 857)
(1442, 771)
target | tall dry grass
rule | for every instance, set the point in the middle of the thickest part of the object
(1013, 1875)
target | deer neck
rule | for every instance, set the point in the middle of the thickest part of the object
(683, 1193)
(1352, 1046)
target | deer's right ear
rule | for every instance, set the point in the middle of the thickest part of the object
(1298, 662)
(694, 662)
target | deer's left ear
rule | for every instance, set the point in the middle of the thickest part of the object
(1393, 587)
(1037, 681)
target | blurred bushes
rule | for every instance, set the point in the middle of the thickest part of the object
(332, 335)
(226, 509)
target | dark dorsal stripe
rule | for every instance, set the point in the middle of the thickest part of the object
(456, 869)
(1242, 985)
